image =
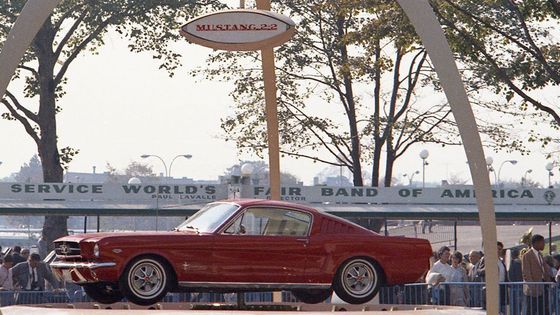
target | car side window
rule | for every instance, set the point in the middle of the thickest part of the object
(272, 221)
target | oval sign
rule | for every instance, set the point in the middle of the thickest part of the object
(239, 30)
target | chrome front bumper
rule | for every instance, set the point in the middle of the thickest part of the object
(80, 272)
(81, 265)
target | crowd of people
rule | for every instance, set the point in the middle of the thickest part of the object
(25, 273)
(532, 272)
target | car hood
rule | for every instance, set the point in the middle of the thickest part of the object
(96, 237)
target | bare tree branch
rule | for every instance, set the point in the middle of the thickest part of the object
(415, 75)
(29, 69)
(79, 48)
(501, 73)
(69, 33)
(535, 51)
(29, 114)
(28, 128)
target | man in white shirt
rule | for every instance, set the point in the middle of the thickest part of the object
(441, 267)
(441, 271)
(6, 273)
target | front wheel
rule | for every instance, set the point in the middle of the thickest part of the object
(312, 296)
(105, 293)
(357, 281)
(145, 280)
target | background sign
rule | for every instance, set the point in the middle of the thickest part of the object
(201, 194)
(239, 30)
(405, 195)
(177, 194)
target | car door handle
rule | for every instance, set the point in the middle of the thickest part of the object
(303, 240)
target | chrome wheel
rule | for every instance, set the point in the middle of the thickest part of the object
(147, 278)
(359, 278)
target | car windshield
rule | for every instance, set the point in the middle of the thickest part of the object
(209, 218)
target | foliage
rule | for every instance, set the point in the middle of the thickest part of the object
(137, 169)
(77, 27)
(365, 66)
(510, 48)
(31, 172)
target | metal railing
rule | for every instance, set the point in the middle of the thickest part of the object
(536, 298)
(516, 298)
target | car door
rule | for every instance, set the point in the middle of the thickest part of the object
(264, 245)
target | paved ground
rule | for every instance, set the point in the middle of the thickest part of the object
(469, 236)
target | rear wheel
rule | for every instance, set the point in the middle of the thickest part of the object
(357, 281)
(312, 296)
(103, 292)
(146, 280)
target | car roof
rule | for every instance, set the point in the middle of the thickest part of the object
(267, 202)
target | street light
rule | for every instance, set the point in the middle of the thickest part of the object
(246, 172)
(512, 162)
(167, 173)
(186, 156)
(489, 162)
(145, 156)
(411, 178)
(549, 167)
(524, 178)
(134, 181)
(424, 156)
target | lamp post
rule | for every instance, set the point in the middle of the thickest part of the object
(411, 177)
(424, 156)
(167, 171)
(524, 178)
(512, 162)
(186, 156)
(549, 167)
(145, 156)
(246, 172)
(136, 181)
(489, 162)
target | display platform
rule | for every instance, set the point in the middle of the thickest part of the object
(182, 308)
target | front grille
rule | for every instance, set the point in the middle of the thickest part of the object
(67, 248)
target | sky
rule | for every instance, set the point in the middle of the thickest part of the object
(119, 106)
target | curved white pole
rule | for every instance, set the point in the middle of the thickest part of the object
(428, 28)
(28, 23)
(35, 12)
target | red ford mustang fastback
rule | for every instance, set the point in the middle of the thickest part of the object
(243, 245)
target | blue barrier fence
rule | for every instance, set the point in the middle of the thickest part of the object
(516, 298)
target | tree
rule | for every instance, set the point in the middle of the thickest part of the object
(31, 172)
(260, 174)
(75, 28)
(365, 64)
(137, 169)
(508, 48)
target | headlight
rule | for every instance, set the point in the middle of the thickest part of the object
(96, 250)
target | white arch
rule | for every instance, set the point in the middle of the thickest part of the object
(428, 28)
(420, 13)
(28, 23)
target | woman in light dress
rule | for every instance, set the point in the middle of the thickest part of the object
(458, 294)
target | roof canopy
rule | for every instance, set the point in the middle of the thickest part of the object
(456, 202)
